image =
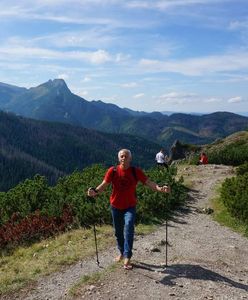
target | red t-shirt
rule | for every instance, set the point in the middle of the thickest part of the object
(204, 159)
(124, 186)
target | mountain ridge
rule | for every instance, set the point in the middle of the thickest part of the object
(53, 101)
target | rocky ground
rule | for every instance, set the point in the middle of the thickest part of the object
(205, 259)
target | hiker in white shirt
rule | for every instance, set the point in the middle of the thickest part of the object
(161, 159)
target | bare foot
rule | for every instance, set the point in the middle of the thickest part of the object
(127, 264)
(119, 258)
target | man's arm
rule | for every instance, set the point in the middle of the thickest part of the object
(92, 192)
(155, 187)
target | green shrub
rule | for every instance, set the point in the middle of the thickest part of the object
(35, 196)
(234, 194)
(71, 190)
(25, 198)
(194, 159)
(154, 205)
(234, 154)
(242, 169)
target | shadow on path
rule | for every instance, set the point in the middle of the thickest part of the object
(179, 216)
(188, 271)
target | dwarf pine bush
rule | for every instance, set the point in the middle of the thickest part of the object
(234, 194)
(35, 197)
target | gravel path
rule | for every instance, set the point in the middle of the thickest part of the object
(205, 259)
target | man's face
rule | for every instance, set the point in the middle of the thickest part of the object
(124, 158)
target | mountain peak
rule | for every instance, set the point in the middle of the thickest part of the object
(58, 82)
(57, 85)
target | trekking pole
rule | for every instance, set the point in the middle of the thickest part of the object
(166, 242)
(166, 239)
(94, 229)
(97, 260)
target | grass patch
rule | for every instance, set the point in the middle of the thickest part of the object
(92, 279)
(142, 229)
(26, 264)
(185, 171)
(223, 217)
(188, 183)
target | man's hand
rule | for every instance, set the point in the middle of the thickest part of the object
(165, 189)
(92, 192)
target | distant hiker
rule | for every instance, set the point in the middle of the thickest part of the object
(124, 179)
(161, 159)
(203, 160)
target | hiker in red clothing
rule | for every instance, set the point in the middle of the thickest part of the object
(203, 159)
(124, 179)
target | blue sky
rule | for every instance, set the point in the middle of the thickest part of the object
(171, 55)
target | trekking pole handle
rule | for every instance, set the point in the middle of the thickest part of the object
(90, 190)
(166, 187)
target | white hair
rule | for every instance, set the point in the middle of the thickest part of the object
(126, 151)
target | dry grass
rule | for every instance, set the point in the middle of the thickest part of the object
(26, 264)
(231, 139)
(223, 217)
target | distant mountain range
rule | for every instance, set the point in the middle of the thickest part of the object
(28, 147)
(53, 101)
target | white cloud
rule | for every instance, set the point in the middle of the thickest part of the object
(213, 100)
(79, 91)
(86, 79)
(137, 96)
(63, 76)
(129, 85)
(73, 20)
(111, 99)
(234, 25)
(121, 57)
(165, 4)
(177, 98)
(72, 12)
(6, 10)
(91, 38)
(199, 66)
(94, 57)
(98, 57)
(22, 52)
(232, 78)
(237, 99)
(83, 93)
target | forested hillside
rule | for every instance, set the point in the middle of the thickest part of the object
(29, 147)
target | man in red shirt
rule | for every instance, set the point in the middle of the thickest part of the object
(123, 201)
(203, 159)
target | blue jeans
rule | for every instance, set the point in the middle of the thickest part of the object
(123, 222)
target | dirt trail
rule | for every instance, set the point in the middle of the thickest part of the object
(205, 260)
